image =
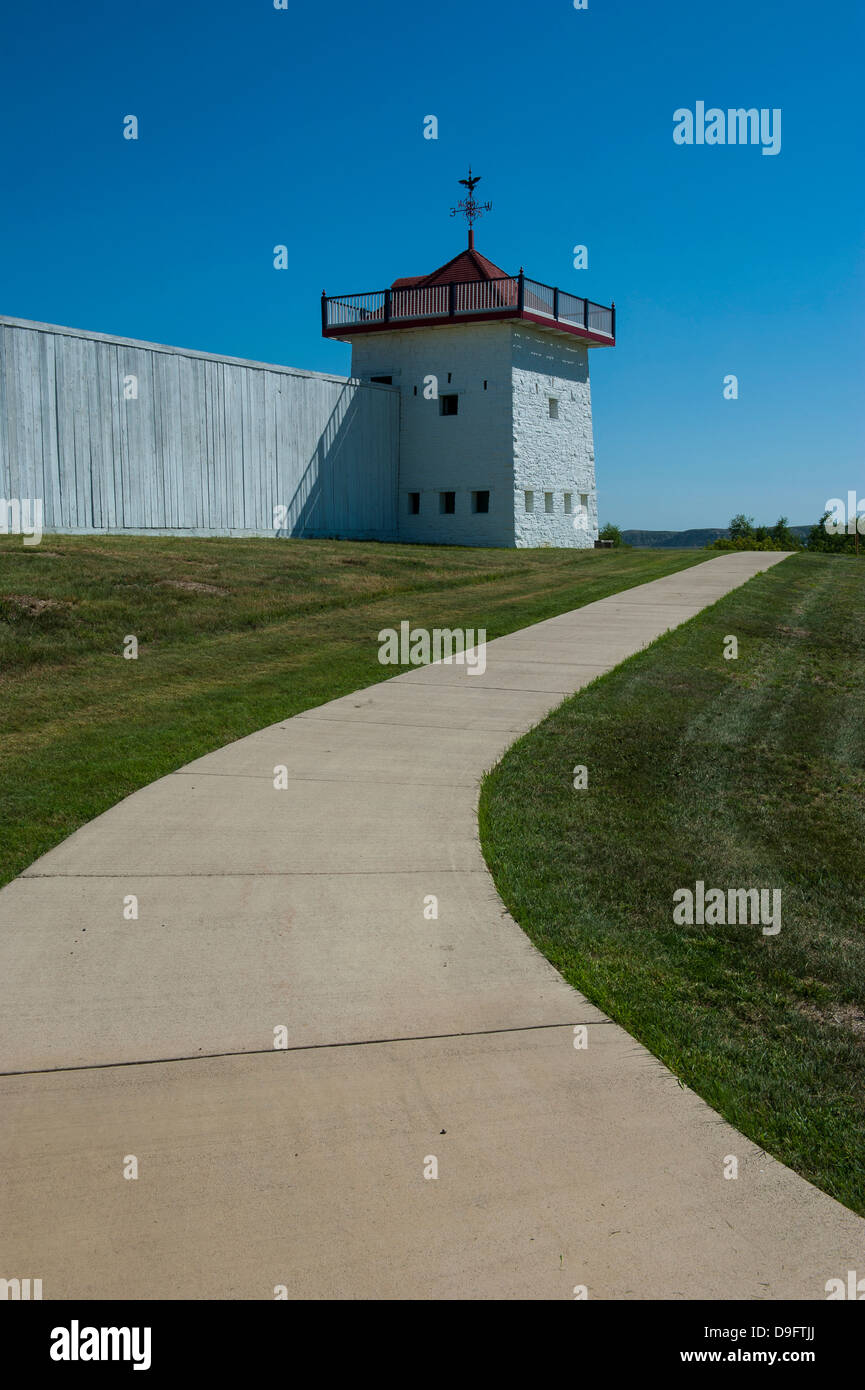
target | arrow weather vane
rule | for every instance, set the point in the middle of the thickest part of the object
(469, 206)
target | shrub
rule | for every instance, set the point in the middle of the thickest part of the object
(744, 535)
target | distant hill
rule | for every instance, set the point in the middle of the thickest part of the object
(688, 540)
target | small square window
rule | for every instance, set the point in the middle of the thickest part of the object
(554, 408)
(530, 501)
(481, 501)
(449, 405)
(414, 503)
(548, 502)
(568, 504)
(447, 503)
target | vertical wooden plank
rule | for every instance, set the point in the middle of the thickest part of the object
(96, 380)
(233, 446)
(160, 441)
(192, 398)
(131, 511)
(114, 390)
(251, 460)
(276, 494)
(65, 434)
(81, 434)
(169, 371)
(21, 462)
(5, 465)
(126, 484)
(211, 453)
(47, 406)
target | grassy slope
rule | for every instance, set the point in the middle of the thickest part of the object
(741, 773)
(291, 624)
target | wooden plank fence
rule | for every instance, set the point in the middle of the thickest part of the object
(117, 435)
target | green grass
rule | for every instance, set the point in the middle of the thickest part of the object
(748, 772)
(277, 626)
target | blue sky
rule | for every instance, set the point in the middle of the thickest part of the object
(304, 127)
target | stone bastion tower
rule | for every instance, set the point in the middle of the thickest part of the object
(496, 443)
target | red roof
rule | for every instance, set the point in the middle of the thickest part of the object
(467, 266)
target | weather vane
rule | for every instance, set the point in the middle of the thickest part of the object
(469, 206)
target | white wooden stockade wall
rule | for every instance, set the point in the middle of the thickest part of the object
(210, 446)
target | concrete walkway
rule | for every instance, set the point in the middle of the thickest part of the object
(407, 1038)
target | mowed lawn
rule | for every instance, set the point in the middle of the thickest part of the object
(740, 773)
(233, 635)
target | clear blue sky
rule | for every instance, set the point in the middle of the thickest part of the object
(304, 127)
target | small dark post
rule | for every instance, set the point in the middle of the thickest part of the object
(387, 306)
(613, 324)
(586, 315)
(521, 292)
(323, 311)
(556, 302)
(452, 299)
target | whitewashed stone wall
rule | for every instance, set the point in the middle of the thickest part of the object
(503, 437)
(461, 453)
(552, 455)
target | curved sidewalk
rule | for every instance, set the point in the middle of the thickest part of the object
(406, 1037)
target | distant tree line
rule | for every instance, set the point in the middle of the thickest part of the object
(744, 535)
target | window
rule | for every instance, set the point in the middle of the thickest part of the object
(449, 405)
(554, 408)
(481, 501)
(447, 503)
(530, 501)
(449, 378)
(383, 380)
(415, 390)
(584, 501)
(548, 502)
(568, 504)
(485, 386)
(413, 503)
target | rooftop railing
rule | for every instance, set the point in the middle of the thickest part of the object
(513, 295)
